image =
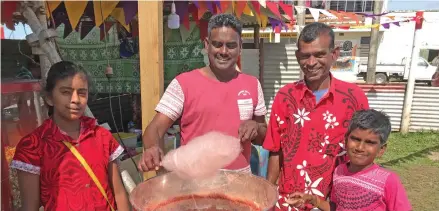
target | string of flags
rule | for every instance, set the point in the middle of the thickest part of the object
(279, 15)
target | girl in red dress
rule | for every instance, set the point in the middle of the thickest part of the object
(49, 174)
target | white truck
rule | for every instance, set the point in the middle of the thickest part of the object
(384, 72)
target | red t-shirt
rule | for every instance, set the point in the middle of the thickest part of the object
(64, 183)
(311, 135)
(206, 105)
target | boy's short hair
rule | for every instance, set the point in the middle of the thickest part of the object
(376, 121)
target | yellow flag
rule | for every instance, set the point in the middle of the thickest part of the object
(247, 10)
(119, 15)
(102, 10)
(75, 9)
(50, 6)
(264, 21)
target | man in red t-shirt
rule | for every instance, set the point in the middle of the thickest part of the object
(214, 98)
(309, 119)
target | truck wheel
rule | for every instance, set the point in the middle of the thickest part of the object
(380, 78)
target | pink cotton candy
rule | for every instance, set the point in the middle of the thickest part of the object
(203, 156)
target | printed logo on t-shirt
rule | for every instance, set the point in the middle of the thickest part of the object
(245, 105)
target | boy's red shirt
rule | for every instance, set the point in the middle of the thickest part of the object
(64, 183)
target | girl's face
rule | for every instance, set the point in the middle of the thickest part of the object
(69, 97)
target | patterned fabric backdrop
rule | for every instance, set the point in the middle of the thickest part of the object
(92, 54)
(181, 55)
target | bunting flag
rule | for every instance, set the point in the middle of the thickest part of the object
(315, 13)
(193, 10)
(328, 14)
(102, 10)
(225, 6)
(202, 8)
(247, 10)
(210, 6)
(185, 33)
(239, 8)
(288, 9)
(353, 16)
(257, 8)
(182, 10)
(75, 10)
(119, 15)
(196, 3)
(217, 3)
(336, 14)
(129, 9)
(264, 20)
(60, 17)
(51, 5)
(274, 9)
(263, 3)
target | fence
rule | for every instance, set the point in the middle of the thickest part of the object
(387, 98)
(425, 109)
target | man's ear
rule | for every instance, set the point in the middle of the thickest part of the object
(382, 150)
(335, 53)
(206, 43)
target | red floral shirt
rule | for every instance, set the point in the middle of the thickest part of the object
(311, 135)
(64, 183)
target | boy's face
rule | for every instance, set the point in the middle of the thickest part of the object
(363, 146)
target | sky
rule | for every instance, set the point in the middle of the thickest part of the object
(20, 32)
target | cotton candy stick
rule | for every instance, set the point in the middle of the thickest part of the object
(203, 156)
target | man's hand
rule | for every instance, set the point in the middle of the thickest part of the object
(151, 159)
(248, 130)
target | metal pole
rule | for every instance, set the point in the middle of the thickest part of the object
(374, 44)
(410, 89)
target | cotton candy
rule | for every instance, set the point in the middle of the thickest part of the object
(203, 156)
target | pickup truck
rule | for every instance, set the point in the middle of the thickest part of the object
(384, 72)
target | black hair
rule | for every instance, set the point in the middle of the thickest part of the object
(227, 20)
(313, 31)
(60, 71)
(376, 121)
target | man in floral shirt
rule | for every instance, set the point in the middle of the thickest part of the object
(309, 118)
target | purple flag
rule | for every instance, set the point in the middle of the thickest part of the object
(274, 22)
(386, 25)
(129, 9)
(196, 3)
(182, 9)
(218, 5)
(396, 23)
(209, 5)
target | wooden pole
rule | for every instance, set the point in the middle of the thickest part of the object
(374, 44)
(151, 60)
(300, 22)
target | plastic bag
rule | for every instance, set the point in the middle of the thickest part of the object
(203, 156)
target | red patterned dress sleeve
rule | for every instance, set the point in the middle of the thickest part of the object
(27, 155)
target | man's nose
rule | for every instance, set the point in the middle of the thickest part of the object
(311, 61)
(75, 97)
(224, 49)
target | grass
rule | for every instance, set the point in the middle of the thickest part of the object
(415, 157)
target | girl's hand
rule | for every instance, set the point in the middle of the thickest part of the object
(299, 200)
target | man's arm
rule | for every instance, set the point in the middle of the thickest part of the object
(156, 130)
(262, 129)
(273, 167)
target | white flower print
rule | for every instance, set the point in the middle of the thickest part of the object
(279, 121)
(301, 116)
(327, 115)
(331, 122)
(343, 149)
(302, 168)
(325, 141)
(311, 187)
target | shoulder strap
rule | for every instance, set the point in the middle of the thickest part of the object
(89, 171)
